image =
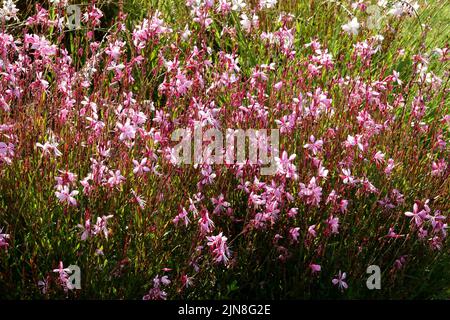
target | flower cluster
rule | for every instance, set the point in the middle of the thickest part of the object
(4, 239)
(89, 169)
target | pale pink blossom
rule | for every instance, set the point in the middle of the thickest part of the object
(140, 167)
(315, 268)
(65, 195)
(340, 281)
(219, 248)
(4, 239)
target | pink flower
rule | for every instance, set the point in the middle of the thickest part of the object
(165, 280)
(115, 50)
(93, 15)
(206, 224)
(285, 167)
(65, 195)
(224, 6)
(9, 10)
(438, 168)
(333, 224)
(416, 214)
(311, 193)
(87, 187)
(43, 285)
(379, 158)
(400, 263)
(422, 233)
(368, 186)
(64, 274)
(41, 45)
(277, 86)
(202, 18)
(339, 281)
(389, 167)
(140, 167)
(441, 143)
(437, 220)
(221, 204)
(67, 178)
(182, 83)
(293, 232)
(292, 212)
(208, 175)
(182, 216)
(312, 230)
(315, 268)
(343, 205)
(391, 234)
(4, 239)
(102, 225)
(116, 178)
(6, 149)
(138, 199)
(86, 229)
(187, 281)
(332, 197)
(157, 293)
(127, 131)
(347, 177)
(314, 146)
(322, 172)
(354, 141)
(50, 146)
(396, 77)
(286, 123)
(219, 248)
(148, 30)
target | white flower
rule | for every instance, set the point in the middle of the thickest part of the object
(245, 23)
(382, 3)
(352, 27)
(9, 10)
(401, 7)
(378, 38)
(268, 3)
(439, 52)
(411, 7)
(396, 10)
(238, 5)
